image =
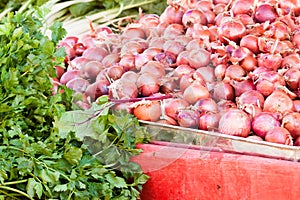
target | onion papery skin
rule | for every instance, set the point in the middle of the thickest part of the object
(235, 122)
(291, 122)
(264, 122)
(278, 103)
(279, 135)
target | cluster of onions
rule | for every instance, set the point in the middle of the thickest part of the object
(231, 66)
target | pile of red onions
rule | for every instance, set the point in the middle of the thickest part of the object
(231, 66)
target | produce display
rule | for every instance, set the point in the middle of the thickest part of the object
(221, 65)
(48, 148)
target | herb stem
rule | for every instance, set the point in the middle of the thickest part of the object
(16, 190)
(14, 182)
(7, 194)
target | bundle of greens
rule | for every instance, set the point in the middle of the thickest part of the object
(40, 158)
(74, 13)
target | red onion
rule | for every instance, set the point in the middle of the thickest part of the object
(278, 103)
(133, 30)
(219, 8)
(149, 22)
(97, 89)
(210, 16)
(234, 72)
(199, 58)
(264, 122)
(78, 84)
(193, 16)
(195, 92)
(246, 19)
(242, 7)
(265, 12)
(183, 69)
(128, 62)
(291, 61)
(173, 46)
(280, 30)
(239, 54)
(204, 5)
(207, 73)
(182, 58)
(188, 118)
(250, 97)
(69, 75)
(251, 109)
(157, 42)
(223, 91)
(206, 105)
(115, 72)
(167, 85)
(250, 42)
(91, 69)
(173, 31)
(291, 122)
(249, 63)
(123, 89)
(187, 79)
(168, 59)
(209, 121)
(235, 122)
(155, 68)
(148, 84)
(171, 106)
(148, 111)
(270, 61)
(195, 44)
(172, 15)
(77, 63)
(225, 105)
(95, 53)
(232, 30)
(279, 135)
(220, 71)
(69, 40)
(268, 82)
(267, 45)
(242, 86)
(284, 47)
(132, 47)
(292, 78)
(111, 59)
(130, 76)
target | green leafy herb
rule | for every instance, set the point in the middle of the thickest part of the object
(47, 151)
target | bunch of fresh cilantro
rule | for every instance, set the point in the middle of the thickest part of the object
(48, 151)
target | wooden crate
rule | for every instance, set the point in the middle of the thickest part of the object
(184, 172)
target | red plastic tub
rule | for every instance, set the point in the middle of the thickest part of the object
(179, 172)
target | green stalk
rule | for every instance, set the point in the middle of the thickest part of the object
(16, 190)
(7, 194)
(14, 182)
